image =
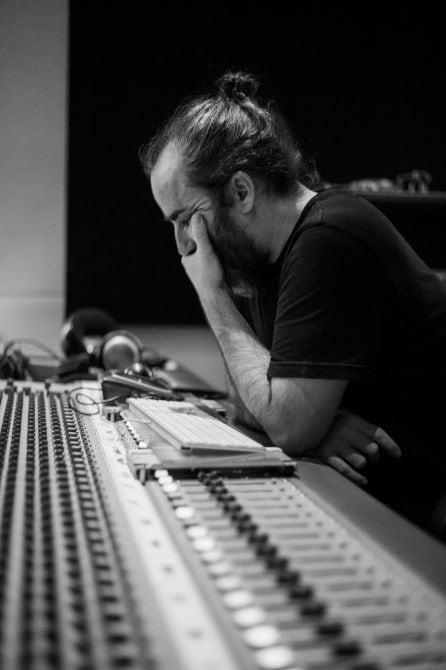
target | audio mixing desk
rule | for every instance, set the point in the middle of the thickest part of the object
(120, 551)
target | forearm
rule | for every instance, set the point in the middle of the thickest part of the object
(289, 423)
(245, 358)
(240, 412)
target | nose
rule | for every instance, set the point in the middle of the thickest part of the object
(184, 242)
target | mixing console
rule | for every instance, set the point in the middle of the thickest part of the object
(117, 551)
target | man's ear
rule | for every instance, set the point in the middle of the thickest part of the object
(242, 191)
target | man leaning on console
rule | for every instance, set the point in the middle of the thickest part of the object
(332, 329)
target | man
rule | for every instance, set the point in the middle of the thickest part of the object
(317, 304)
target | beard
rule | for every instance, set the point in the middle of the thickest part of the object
(245, 265)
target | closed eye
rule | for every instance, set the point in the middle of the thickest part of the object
(185, 222)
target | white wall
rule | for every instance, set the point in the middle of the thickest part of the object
(33, 91)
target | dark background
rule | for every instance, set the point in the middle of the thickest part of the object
(363, 91)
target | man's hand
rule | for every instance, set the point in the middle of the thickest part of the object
(202, 265)
(352, 444)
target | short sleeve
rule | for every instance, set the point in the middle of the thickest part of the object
(331, 308)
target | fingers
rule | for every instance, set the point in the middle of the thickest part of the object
(345, 469)
(367, 437)
(356, 460)
(385, 442)
(198, 230)
(379, 440)
(370, 450)
(352, 444)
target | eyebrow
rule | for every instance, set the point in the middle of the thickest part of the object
(175, 214)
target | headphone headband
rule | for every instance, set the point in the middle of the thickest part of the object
(95, 334)
(81, 324)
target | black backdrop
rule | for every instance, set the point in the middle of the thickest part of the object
(363, 92)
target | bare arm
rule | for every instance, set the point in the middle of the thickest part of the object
(295, 413)
(241, 413)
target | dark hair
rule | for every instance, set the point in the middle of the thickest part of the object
(230, 130)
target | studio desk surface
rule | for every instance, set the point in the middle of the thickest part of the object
(116, 552)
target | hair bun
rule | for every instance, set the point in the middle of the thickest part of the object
(237, 86)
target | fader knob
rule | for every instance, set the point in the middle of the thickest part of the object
(313, 608)
(277, 562)
(290, 577)
(347, 648)
(330, 628)
(301, 592)
(258, 538)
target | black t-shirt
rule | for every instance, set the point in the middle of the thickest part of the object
(348, 298)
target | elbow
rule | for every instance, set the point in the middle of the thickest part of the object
(296, 438)
(297, 417)
(293, 443)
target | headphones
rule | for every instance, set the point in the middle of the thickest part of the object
(91, 338)
(13, 364)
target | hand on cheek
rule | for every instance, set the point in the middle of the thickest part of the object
(202, 264)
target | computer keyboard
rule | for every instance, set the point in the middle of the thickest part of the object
(190, 429)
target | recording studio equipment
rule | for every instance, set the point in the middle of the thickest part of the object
(181, 379)
(122, 385)
(91, 339)
(94, 337)
(13, 364)
(140, 370)
(191, 429)
(83, 329)
(119, 551)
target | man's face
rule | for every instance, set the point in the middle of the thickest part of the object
(237, 251)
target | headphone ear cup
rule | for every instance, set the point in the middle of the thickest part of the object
(119, 349)
(80, 325)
